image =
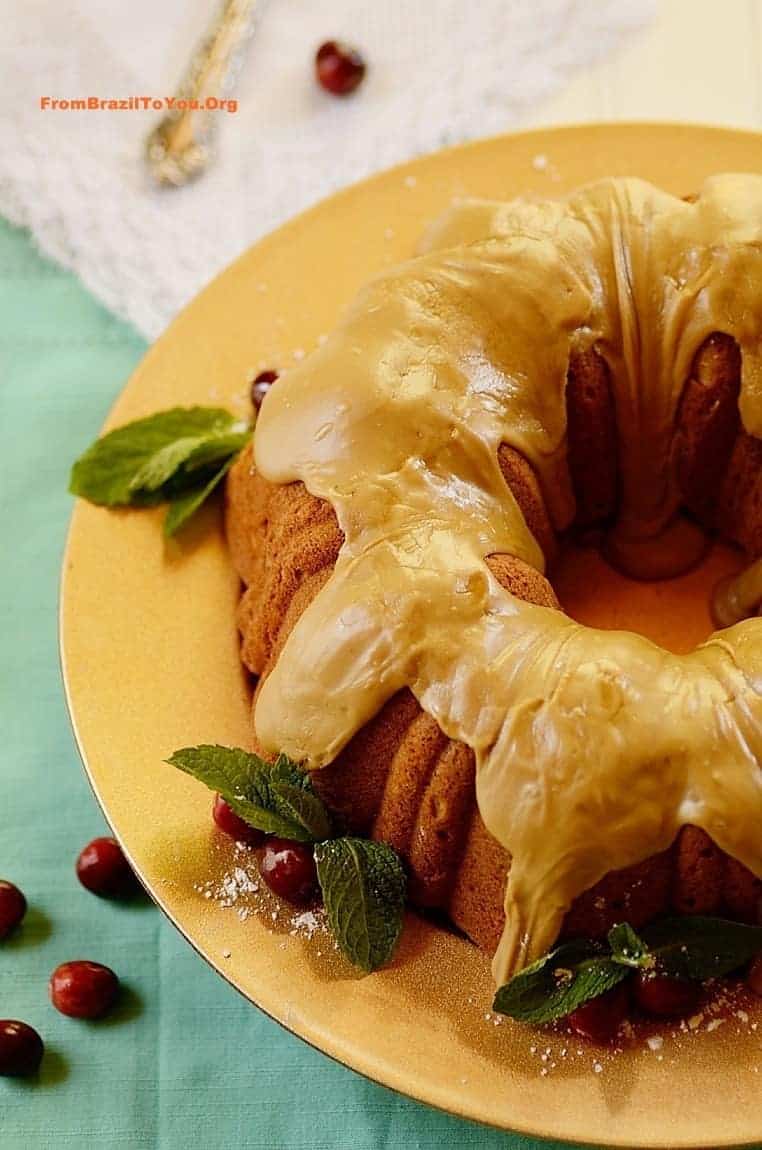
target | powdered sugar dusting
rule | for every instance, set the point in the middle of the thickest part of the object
(307, 923)
(234, 884)
(241, 890)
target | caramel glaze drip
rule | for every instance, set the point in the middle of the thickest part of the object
(737, 597)
(593, 747)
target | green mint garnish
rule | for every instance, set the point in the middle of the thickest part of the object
(177, 456)
(559, 982)
(363, 884)
(217, 448)
(276, 798)
(182, 507)
(628, 948)
(699, 947)
(693, 947)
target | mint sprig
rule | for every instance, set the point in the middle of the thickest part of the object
(177, 456)
(182, 507)
(692, 947)
(628, 948)
(363, 884)
(701, 947)
(277, 798)
(559, 982)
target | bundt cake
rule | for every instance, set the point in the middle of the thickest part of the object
(589, 362)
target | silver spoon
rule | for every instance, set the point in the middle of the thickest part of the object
(180, 147)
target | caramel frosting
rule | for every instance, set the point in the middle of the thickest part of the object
(592, 747)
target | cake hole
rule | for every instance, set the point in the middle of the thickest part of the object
(671, 612)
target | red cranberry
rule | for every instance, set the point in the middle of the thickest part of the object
(83, 989)
(21, 1049)
(600, 1018)
(664, 996)
(260, 386)
(339, 68)
(12, 907)
(103, 869)
(229, 822)
(289, 870)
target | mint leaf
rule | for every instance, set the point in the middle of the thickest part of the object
(559, 982)
(302, 808)
(276, 798)
(184, 506)
(131, 465)
(284, 789)
(162, 465)
(217, 447)
(363, 884)
(700, 947)
(692, 947)
(628, 948)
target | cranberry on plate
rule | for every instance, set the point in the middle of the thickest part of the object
(600, 1018)
(664, 996)
(12, 907)
(338, 67)
(260, 386)
(103, 870)
(83, 989)
(289, 870)
(21, 1049)
(229, 822)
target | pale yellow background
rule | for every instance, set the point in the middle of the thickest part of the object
(700, 60)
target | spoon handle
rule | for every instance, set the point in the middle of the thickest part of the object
(180, 147)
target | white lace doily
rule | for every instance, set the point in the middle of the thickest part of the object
(440, 71)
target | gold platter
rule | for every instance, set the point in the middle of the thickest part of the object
(150, 664)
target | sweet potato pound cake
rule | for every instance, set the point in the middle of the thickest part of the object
(595, 361)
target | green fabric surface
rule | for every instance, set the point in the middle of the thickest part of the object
(185, 1060)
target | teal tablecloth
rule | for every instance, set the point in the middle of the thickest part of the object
(186, 1061)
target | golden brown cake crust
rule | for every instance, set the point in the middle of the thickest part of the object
(708, 424)
(740, 505)
(280, 538)
(525, 488)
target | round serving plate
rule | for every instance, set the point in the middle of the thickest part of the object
(150, 662)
